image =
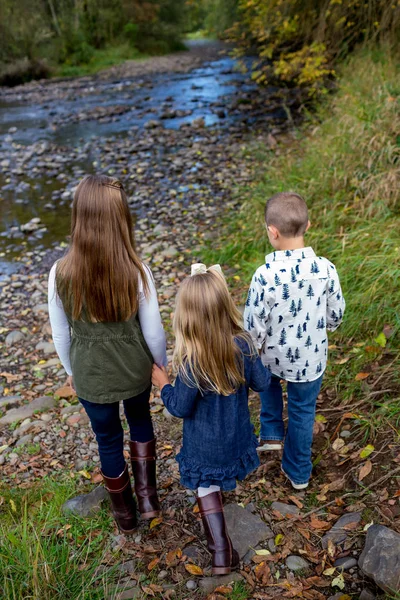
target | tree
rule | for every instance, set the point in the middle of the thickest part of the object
(277, 280)
(310, 291)
(269, 331)
(261, 316)
(293, 308)
(299, 334)
(256, 301)
(293, 278)
(248, 298)
(282, 339)
(314, 267)
(299, 305)
(308, 342)
(298, 376)
(297, 354)
(285, 291)
(301, 284)
(262, 280)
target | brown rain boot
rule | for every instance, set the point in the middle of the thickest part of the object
(224, 556)
(143, 456)
(123, 504)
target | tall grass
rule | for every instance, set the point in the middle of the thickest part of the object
(345, 161)
(44, 555)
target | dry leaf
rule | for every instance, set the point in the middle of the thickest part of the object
(296, 501)
(367, 451)
(365, 470)
(155, 522)
(262, 573)
(173, 556)
(147, 590)
(338, 444)
(361, 376)
(319, 525)
(223, 589)
(193, 569)
(153, 564)
(10, 377)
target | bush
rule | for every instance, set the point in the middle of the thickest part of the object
(24, 70)
(299, 42)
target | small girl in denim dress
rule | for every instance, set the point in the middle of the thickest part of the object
(216, 364)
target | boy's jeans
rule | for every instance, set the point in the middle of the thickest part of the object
(302, 399)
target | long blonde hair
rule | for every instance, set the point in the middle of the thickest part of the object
(98, 278)
(206, 322)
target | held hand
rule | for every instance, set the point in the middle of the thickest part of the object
(159, 377)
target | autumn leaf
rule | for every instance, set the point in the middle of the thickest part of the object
(320, 419)
(10, 377)
(365, 470)
(262, 573)
(194, 569)
(153, 564)
(263, 552)
(367, 451)
(338, 581)
(155, 522)
(361, 376)
(172, 556)
(223, 589)
(296, 501)
(329, 571)
(319, 525)
(338, 444)
(381, 340)
(84, 474)
(279, 539)
(147, 590)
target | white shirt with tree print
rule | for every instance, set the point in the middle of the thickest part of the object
(294, 298)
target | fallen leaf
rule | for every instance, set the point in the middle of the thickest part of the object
(156, 588)
(381, 340)
(319, 525)
(172, 556)
(279, 539)
(10, 377)
(321, 419)
(361, 376)
(147, 590)
(223, 589)
(367, 451)
(296, 501)
(338, 581)
(194, 569)
(84, 474)
(263, 552)
(155, 522)
(365, 470)
(338, 444)
(367, 526)
(262, 573)
(329, 571)
(96, 477)
(153, 564)
(12, 504)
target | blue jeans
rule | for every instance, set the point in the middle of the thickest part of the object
(106, 424)
(302, 399)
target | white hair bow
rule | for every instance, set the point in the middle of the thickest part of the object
(200, 268)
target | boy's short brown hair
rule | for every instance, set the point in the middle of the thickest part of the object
(287, 211)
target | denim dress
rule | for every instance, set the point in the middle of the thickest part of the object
(219, 445)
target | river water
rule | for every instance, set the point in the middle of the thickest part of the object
(50, 137)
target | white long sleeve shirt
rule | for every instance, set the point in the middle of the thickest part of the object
(148, 313)
(294, 298)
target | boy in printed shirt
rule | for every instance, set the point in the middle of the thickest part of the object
(294, 298)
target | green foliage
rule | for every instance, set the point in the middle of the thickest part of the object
(72, 31)
(348, 169)
(46, 555)
(298, 41)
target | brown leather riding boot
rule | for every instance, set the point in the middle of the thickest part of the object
(224, 556)
(143, 456)
(123, 504)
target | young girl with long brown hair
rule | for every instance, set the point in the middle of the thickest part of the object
(216, 364)
(107, 332)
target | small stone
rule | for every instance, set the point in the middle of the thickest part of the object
(162, 575)
(129, 567)
(380, 558)
(297, 563)
(345, 433)
(191, 585)
(192, 552)
(25, 439)
(208, 584)
(345, 563)
(338, 534)
(8, 401)
(14, 337)
(46, 417)
(86, 505)
(271, 546)
(285, 509)
(367, 595)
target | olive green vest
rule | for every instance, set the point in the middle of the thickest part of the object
(110, 361)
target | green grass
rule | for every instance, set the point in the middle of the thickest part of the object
(101, 59)
(45, 555)
(345, 161)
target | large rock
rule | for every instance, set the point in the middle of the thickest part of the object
(208, 584)
(380, 558)
(7, 401)
(341, 529)
(245, 529)
(14, 415)
(86, 505)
